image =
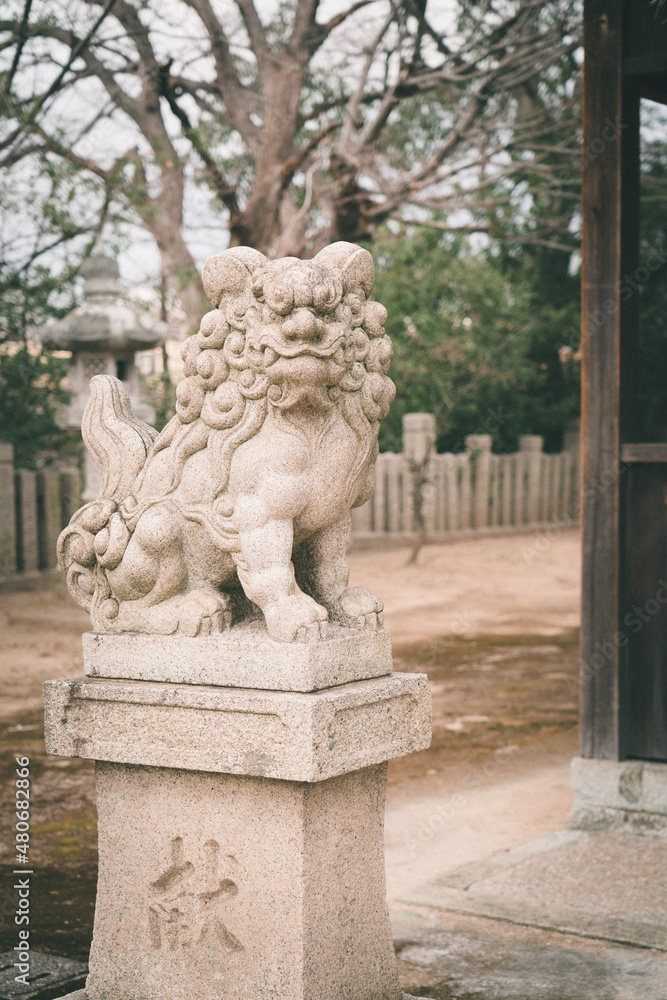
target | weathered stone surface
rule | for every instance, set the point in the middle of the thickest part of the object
(8, 520)
(26, 521)
(244, 499)
(288, 735)
(48, 974)
(217, 885)
(494, 960)
(606, 884)
(246, 656)
(48, 517)
(610, 793)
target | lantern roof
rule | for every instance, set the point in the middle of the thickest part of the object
(106, 320)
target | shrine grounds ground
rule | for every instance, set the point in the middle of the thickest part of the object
(494, 624)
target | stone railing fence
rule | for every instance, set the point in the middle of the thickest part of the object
(474, 492)
(34, 508)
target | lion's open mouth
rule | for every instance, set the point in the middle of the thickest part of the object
(298, 350)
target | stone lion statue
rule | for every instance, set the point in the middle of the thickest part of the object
(247, 491)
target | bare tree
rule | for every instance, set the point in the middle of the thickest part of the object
(303, 129)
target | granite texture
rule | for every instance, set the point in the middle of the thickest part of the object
(246, 656)
(49, 975)
(288, 735)
(216, 885)
(618, 793)
(605, 884)
(243, 501)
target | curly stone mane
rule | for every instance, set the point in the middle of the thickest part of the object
(224, 397)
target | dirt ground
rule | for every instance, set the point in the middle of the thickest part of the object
(494, 624)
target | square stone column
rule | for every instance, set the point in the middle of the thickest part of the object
(240, 830)
(27, 531)
(8, 520)
(627, 795)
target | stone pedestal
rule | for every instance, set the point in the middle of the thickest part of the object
(245, 657)
(240, 830)
(629, 794)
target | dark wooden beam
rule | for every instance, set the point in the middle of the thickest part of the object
(601, 402)
(635, 453)
(653, 64)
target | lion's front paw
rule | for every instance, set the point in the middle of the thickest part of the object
(358, 608)
(296, 618)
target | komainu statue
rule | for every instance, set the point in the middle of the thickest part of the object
(247, 491)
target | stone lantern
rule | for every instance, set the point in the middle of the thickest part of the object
(103, 334)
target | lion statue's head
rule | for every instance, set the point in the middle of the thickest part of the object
(281, 331)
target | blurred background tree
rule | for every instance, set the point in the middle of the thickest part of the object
(30, 394)
(294, 128)
(406, 126)
(487, 342)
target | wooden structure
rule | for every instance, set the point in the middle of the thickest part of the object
(624, 478)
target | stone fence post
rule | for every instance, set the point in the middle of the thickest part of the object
(418, 435)
(530, 446)
(27, 531)
(7, 512)
(70, 494)
(418, 446)
(572, 436)
(478, 447)
(49, 517)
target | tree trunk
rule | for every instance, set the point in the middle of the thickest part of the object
(163, 218)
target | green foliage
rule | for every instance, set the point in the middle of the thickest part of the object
(488, 344)
(35, 224)
(30, 392)
(31, 297)
(34, 216)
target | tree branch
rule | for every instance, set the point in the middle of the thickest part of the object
(226, 192)
(78, 49)
(22, 39)
(240, 101)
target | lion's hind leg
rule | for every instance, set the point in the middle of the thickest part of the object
(202, 611)
(150, 589)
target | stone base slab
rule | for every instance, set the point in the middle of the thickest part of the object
(287, 735)
(49, 975)
(82, 995)
(229, 887)
(601, 884)
(245, 657)
(618, 793)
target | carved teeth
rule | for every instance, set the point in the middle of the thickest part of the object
(301, 350)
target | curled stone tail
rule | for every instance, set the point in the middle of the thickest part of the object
(116, 439)
(97, 536)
